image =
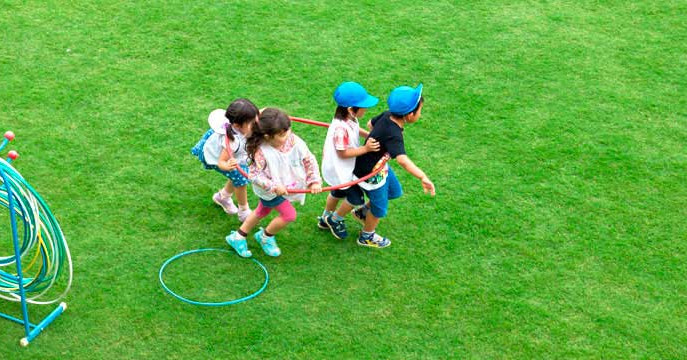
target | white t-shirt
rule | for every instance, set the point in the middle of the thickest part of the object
(341, 135)
(286, 169)
(216, 142)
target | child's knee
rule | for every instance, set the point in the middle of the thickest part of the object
(261, 211)
(289, 217)
(242, 188)
(260, 215)
(286, 212)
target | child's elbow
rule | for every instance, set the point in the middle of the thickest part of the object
(342, 154)
(403, 160)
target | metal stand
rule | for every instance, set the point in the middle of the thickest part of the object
(31, 330)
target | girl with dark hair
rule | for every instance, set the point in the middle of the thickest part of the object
(223, 148)
(279, 160)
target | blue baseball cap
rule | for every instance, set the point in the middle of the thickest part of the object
(403, 99)
(352, 94)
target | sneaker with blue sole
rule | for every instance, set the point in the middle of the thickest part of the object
(238, 243)
(337, 227)
(268, 244)
(374, 241)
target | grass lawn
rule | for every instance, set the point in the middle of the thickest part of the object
(555, 132)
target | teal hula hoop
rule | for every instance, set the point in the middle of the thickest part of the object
(203, 303)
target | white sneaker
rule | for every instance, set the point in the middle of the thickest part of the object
(226, 203)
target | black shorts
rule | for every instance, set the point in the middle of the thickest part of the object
(353, 194)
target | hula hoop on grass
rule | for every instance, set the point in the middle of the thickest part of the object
(204, 303)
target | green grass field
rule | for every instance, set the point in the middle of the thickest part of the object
(556, 134)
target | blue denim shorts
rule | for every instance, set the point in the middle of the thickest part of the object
(379, 198)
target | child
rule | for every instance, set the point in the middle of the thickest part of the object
(223, 148)
(341, 146)
(280, 160)
(405, 107)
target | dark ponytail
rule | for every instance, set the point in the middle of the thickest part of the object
(272, 122)
(239, 112)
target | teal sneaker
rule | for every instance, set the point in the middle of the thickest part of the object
(374, 241)
(239, 244)
(268, 244)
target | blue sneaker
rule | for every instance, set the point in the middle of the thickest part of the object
(239, 244)
(374, 241)
(338, 228)
(321, 223)
(268, 244)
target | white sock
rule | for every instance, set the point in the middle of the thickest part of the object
(224, 193)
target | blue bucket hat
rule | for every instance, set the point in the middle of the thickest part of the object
(403, 99)
(352, 94)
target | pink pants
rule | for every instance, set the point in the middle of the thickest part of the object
(286, 211)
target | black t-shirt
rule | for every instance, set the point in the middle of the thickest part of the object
(390, 138)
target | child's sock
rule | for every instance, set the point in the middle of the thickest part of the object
(224, 193)
(267, 234)
(244, 207)
(243, 234)
(326, 213)
(336, 217)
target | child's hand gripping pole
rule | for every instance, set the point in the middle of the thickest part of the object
(379, 167)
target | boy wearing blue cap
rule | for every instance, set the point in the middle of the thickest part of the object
(405, 107)
(341, 146)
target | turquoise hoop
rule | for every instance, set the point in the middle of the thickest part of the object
(202, 303)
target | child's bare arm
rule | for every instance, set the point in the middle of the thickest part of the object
(414, 170)
(226, 162)
(370, 146)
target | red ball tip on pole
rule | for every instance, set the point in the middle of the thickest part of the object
(9, 136)
(13, 155)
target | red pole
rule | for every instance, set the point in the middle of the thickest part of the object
(308, 121)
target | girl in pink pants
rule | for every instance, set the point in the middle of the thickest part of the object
(280, 160)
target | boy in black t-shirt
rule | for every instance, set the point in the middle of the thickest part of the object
(405, 107)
